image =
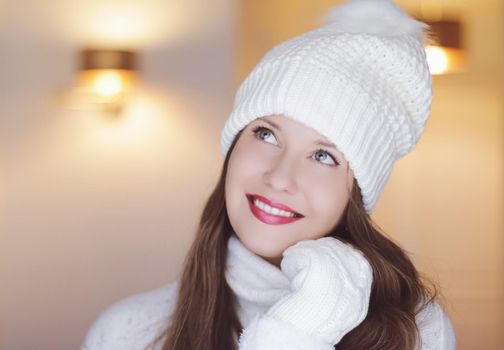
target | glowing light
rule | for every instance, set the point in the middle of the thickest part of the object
(142, 127)
(128, 23)
(108, 83)
(437, 59)
(444, 60)
(108, 89)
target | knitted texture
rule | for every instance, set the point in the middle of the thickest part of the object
(266, 333)
(367, 88)
(331, 285)
(132, 323)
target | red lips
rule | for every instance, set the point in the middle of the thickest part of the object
(268, 218)
(272, 204)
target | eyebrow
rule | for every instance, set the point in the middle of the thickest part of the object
(318, 142)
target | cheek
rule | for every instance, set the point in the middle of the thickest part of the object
(245, 165)
(328, 198)
(242, 174)
(231, 188)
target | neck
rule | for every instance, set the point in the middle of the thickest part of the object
(273, 260)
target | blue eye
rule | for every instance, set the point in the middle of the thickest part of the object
(325, 157)
(264, 134)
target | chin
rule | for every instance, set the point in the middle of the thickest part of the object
(270, 253)
(261, 248)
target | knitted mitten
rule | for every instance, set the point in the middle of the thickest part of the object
(331, 285)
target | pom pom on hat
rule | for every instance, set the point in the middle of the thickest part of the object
(361, 80)
(380, 17)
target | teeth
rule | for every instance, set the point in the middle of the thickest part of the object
(271, 210)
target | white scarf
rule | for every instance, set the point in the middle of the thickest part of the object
(257, 283)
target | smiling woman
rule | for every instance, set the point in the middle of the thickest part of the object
(284, 170)
(286, 255)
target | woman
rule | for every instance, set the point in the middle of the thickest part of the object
(286, 255)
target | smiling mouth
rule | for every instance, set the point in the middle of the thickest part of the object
(284, 211)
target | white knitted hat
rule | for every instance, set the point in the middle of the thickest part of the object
(361, 80)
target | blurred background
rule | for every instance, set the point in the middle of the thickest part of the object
(99, 203)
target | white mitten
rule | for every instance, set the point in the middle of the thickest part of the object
(331, 285)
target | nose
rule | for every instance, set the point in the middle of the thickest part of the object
(281, 174)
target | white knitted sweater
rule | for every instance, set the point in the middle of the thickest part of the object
(132, 323)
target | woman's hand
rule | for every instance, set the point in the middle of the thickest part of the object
(331, 285)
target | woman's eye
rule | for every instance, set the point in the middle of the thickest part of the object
(265, 134)
(324, 157)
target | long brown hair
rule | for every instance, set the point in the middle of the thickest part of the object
(206, 318)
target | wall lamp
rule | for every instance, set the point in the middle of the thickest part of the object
(445, 50)
(107, 77)
(445, 54)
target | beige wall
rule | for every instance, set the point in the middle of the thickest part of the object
(92, 210)
(444, 202)
(454, 225)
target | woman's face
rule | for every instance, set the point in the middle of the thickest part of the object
(285, 183)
